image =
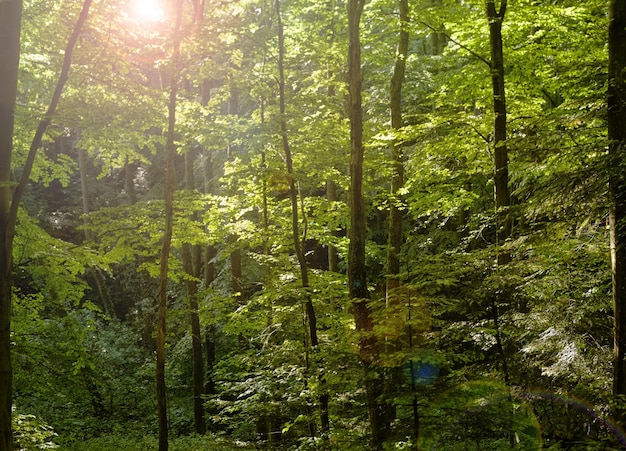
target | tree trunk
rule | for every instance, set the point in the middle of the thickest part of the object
(617, 188)
(333, 257)
(236, 271)
(196, 342)
(209, 276)
(191, 267)
(357, 276)
(395, 236)
(501, 158)
(397, 176)
(84, 192)
(357, 279)
(10, 27)
(311, 320)
(170, 186)
(501, 171)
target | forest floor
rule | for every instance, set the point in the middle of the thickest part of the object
(119, 443)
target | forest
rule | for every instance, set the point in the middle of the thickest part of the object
(312, 225)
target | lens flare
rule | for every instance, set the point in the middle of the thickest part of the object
(147, 11)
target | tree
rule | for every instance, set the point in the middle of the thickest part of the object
(170, 187)
(191, 263)
(192, 259)
(397, 177)
(312, 340)
(10, 26)
(396, 211)
(500, 151)
(617, 187)
(554, 322)
(357, 270)
(10, 196)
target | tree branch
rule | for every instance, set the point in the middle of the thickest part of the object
(454, 41)
(45, 122)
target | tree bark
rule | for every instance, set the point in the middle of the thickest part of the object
(209, 276)
(357, 275)
(10, 27)
(501, 158)
(501, 170)
(236, 271)
(357, 279)
(82, 168)
(617, 188)
(170, 186)
(333, 256)
(395, 238)
(395, 235)
(209, 265)
(191, 267)
(311, 320)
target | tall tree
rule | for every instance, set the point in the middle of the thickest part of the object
(208, 277)
(192, 261)
(170, 187)
(357, 271)
(10, 27)
(10, 192)
(500, 152)
(191, 265)
(501, 166)
(617, 186)
(395, 237)
(312, 340)
(397, 174)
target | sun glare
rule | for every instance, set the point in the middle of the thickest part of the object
(147, 11)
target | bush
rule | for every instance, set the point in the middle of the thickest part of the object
(32, 433)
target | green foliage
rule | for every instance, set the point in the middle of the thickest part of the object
(82, 374)
(32, 433)
(50, 266)
(510, 347)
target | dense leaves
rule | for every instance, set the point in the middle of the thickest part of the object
(472, 355)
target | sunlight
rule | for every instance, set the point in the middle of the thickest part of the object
(147, 11)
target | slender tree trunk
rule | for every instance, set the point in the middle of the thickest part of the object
(333, 257)
(397, 177)
(293, 195)
(209, 276)
(617, 190)
(501, 158)
(236, 271)
(191, 267)
(196, 344)
(293, 192)
(357, 276)
(10, 27)
(395, 302)
(501, 171)
(331, 186)
(209, 265)
(170, 186)
(82, 167)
